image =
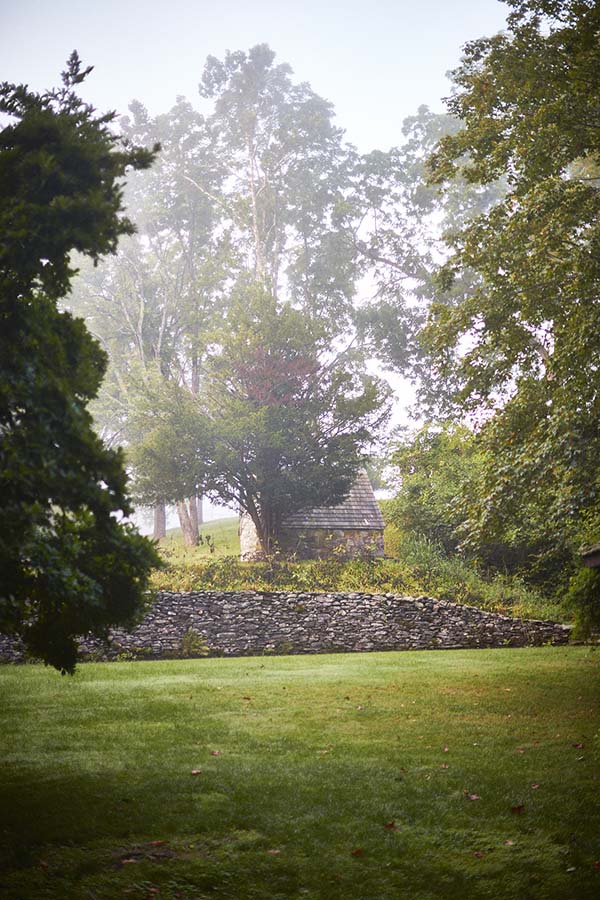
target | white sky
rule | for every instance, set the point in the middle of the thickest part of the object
(376, 61)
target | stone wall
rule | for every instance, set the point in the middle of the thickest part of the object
(215, 623)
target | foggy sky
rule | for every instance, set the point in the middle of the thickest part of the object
(375, 61)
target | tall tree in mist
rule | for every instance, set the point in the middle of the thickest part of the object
(152, 306)
(289, 179)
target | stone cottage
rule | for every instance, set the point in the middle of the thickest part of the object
(353, 528)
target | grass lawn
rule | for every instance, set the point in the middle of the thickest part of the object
(221, 534)
(424, 775)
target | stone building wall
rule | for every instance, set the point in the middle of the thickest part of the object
(241, 623)
(315, 543)
(324, 543)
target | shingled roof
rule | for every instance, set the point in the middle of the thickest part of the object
(359, 510)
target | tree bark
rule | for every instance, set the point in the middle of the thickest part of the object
(190, 539)
(160, 522)
(195, 517)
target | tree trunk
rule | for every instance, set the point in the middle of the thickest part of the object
(160, 522)
(190, 536)
(194, 516)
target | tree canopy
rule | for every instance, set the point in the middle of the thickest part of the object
(69, 564)
(258, 195)
(522, 348)
(278, 426)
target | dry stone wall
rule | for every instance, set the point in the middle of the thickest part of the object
(242, 623)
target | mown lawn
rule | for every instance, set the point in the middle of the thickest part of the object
(429, 775)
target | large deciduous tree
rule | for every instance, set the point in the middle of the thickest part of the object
(69, 564)
(280, 424)
(525, 342)
(261, 190)
(152, 305)
(289, 181)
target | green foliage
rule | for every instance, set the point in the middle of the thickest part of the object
(522, 348)
(584, 594)
(193, 644)
(419, 567)
(441, 475)
(280, 425)
(68, 564)
(433, 470)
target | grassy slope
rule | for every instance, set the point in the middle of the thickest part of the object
(223, 534)
(332, 779)
(416, 567)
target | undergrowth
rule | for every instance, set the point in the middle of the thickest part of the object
(419, 567)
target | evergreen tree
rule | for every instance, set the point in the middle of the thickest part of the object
(69, 564)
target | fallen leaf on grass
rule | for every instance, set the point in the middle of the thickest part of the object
(444, 766)
(246, 698)
(215, 753)
(596, 865)
(509, 842)
(520, 749)
(273, 852)
(391, 826)
(478, 854)
(149, 852)
(357, 852)
(360, 707)
(517, 810)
